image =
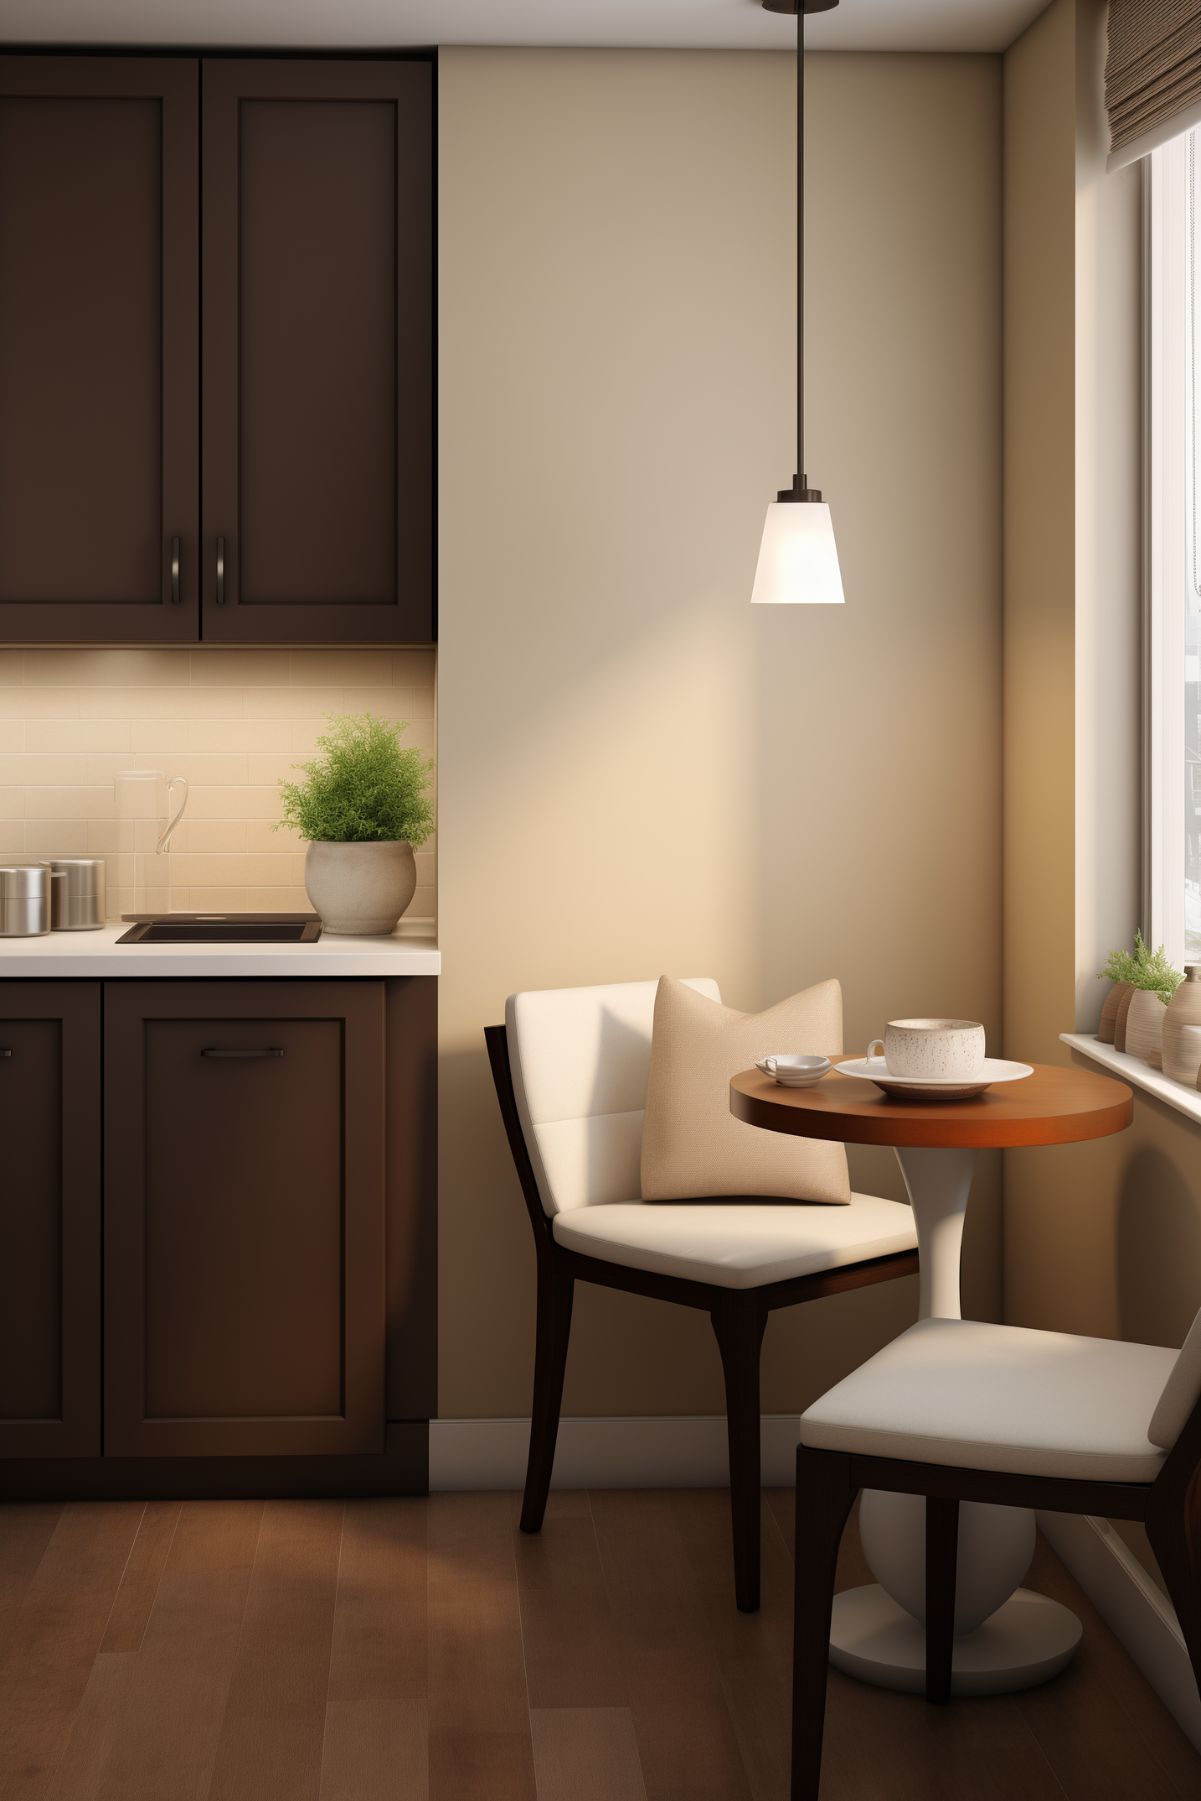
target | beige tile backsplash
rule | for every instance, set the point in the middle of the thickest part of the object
(232, 721)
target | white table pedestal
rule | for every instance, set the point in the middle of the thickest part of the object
(1006, 1637)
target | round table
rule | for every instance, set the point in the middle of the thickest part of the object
(1027, 1637)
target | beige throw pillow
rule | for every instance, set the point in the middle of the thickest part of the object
(692, 1145)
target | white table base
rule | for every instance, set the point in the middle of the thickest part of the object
(1028, 1638)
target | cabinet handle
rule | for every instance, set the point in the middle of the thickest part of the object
(4, 1051)
(267, 1050)
(175, 595)
(220, 572)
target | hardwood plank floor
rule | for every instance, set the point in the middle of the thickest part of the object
(428, 1651)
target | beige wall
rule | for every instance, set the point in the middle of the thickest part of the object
(1101, 1239)
(233, 722)
(621, 783)
(1040, 473)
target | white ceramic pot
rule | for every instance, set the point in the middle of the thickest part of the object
(360, 890)
(1144, 1027)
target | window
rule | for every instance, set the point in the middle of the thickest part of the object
(1174, 550)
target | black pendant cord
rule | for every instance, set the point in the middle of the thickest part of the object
(800, 489)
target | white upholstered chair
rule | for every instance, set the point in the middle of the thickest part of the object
(957, 1410)
(570, 1067)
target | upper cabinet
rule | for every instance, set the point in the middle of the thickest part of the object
(228, 253)
(99, 349)
(318, 367)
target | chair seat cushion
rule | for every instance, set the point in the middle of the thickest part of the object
(738, 1244)
(1000, 1398)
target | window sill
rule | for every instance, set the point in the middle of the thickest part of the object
(1137, 1073)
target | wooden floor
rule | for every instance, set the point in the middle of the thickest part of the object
(310, 1651)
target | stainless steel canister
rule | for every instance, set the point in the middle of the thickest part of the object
(24, 899)
(77, 898)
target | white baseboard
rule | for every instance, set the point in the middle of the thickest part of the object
(677, 1452)
(1133, 1605)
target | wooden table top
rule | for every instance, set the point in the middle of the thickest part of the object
(1053, 1106)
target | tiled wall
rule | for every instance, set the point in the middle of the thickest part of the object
(232, 721)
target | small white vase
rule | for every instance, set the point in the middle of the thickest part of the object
(1144, 1027)
(360, 890)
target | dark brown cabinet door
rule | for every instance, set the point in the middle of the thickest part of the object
(318, 352)
(50, 1219)
(244, 1218)
(99, 349)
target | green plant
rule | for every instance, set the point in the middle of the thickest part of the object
(1143, 968)
(366, 788)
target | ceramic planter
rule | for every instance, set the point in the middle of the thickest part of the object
(1109, 1012)
(360, 890)
(1182, 1030)
(1144, 1027)
(1119, 1019)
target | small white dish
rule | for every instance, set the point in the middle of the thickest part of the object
(934, 1088)
(795, 1072)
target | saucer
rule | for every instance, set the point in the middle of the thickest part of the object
(934, 1088)
(795, 1072)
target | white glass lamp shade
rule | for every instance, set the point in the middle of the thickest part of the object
(798, 558)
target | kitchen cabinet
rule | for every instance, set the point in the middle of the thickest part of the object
(244, 1296)
(221, 1194)
(50, 1219)
(99, 349)
(302, 359)
(318, 365)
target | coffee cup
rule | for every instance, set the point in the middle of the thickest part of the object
(939, 1050)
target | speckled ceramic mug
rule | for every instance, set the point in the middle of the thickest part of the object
(949, 1050)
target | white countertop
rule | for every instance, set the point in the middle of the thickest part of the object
(411, 950)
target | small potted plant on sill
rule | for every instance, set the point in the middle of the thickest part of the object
(363, 807)
(1144, 984)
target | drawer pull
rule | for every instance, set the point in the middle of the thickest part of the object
(4, 1051)
(267, 1050)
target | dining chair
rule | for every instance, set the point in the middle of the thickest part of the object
(958, 1410)
(570, 1067)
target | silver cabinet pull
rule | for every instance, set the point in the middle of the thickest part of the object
(220, 572)
(4, 1051)
(235, 1051)
(175, 595)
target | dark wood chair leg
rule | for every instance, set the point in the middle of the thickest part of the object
(1174, 1529)
(555, 1294)
(942, 1554)
(739, 1326)
(824, 1493)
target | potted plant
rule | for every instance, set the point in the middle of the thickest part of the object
(1145, 983)
(363, 806)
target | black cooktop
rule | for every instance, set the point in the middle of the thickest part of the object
(221, 928)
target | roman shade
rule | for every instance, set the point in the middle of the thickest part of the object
(1152, 74)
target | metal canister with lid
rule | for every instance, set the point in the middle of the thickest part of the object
(77, 897)
(24, 899)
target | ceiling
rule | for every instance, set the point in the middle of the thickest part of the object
(641, 24)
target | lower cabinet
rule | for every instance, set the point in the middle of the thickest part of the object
(217, 1236)
(244, 1297)
(49, 1219)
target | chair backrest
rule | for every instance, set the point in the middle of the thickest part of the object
(580, 1059)
(1181, 1392)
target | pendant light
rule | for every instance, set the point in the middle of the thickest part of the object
(798, 559)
